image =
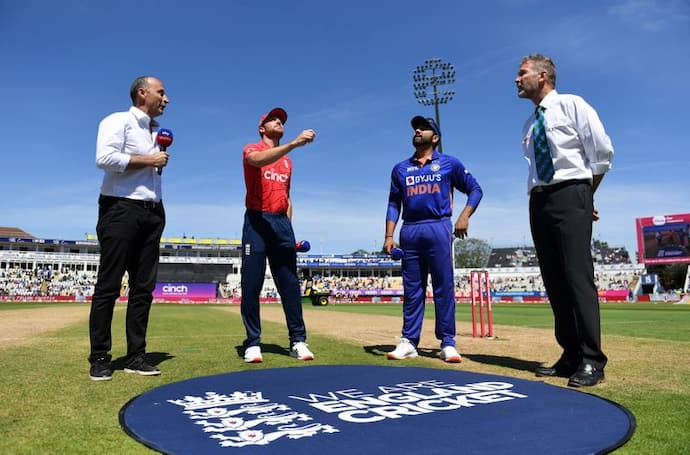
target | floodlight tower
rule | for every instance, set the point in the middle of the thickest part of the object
(434, 73)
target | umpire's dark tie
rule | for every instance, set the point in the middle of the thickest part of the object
(542, 152)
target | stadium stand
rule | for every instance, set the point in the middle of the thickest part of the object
(193, 272)
(31, 267)
(603, 254)
(513, 257)
(527, 256)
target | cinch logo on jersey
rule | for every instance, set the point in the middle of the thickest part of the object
(270, 174)
(172, 289)
(408, 399)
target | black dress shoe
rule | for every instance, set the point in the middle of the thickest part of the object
(560, 369)
(586, 376)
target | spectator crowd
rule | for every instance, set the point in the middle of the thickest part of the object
(43, 281)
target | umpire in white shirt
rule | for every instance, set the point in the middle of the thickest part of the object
(568, 153)
(131, 219)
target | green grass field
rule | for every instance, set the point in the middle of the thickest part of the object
(49, 405)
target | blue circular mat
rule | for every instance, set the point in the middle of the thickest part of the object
(369, 409)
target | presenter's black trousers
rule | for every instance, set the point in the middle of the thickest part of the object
(561, 224)
(129, 234)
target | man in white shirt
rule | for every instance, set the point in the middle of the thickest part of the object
(131, 219)
(568, 153)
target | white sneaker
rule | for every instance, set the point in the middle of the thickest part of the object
(404, 350)
(450, 354)
(253, 355)
(300, 351)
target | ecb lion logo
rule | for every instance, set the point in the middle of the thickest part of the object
(246, 418)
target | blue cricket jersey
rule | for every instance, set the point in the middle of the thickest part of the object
(426, 191)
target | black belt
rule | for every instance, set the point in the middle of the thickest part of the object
(149, 205)
(558, 186)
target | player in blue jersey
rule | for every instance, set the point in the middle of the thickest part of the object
(422, 186)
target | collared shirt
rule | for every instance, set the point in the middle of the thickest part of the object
(579, 145)
(425, 190)
(121, 135)
(268, 187)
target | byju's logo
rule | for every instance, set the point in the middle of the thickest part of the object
(427, 178)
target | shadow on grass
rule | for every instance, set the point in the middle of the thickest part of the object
(502, 361)
(265, 348)
(380, 350)
(154, 358)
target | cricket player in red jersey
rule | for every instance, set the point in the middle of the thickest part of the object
(268, 234)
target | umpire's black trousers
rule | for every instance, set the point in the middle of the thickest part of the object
(129, 234)
(561, 223)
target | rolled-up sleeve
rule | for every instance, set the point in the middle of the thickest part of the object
(596, 143)
(110, 145)
(463, 180)
(475, 194)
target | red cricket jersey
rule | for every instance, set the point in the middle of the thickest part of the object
(268, 187)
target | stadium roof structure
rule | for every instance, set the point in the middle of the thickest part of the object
(187, 240)
(15, 232)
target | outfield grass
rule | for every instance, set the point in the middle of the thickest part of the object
(50, 406)
(663, 321)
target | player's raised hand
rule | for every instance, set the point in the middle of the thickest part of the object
(305, 137)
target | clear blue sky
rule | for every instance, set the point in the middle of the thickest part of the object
(344, 69)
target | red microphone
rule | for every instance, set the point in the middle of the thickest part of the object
(164, 139)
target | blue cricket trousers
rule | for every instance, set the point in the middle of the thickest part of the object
(427, 247)
(270, 236)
